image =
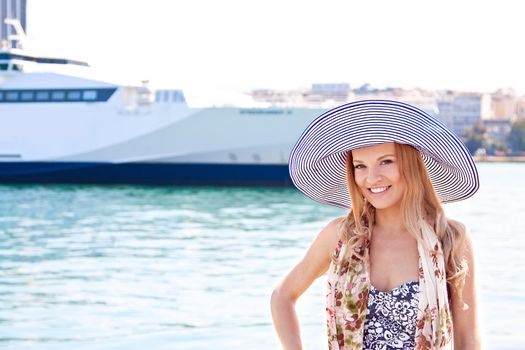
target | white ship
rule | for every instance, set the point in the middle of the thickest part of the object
(62, 128)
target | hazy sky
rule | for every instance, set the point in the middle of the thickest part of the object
(465, 45)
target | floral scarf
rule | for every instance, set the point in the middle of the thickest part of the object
(347, 297)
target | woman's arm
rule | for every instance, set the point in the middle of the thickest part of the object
(315, 262)
(466, 324)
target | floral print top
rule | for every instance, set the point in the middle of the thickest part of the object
(391, 318)
(348, 294)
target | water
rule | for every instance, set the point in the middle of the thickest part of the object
(121, 267)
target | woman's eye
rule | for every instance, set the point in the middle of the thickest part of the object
(358, 166)
(387, 161)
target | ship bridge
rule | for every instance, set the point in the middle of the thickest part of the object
(14, 58)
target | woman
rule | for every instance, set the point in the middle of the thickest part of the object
(400, 274)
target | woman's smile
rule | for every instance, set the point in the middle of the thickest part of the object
(377, 175)
(378, 190)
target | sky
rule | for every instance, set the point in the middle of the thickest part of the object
(249, 44)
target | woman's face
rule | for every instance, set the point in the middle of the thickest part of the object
(377, 175)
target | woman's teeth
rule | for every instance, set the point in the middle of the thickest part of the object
(378, 189)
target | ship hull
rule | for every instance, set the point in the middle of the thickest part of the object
(274, 175)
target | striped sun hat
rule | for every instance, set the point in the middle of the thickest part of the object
(317, 161)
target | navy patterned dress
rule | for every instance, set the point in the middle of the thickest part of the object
(391, 318)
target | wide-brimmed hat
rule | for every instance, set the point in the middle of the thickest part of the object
(317, 161)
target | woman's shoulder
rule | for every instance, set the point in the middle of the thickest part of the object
(456, 225)
(462, 233)
(335, 222)
(331, 234)
(459, 227)
(334, 226)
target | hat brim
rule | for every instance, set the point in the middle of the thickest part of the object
(317, 161)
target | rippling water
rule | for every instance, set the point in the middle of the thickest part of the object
(122, 267)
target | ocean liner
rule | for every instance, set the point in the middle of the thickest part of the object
(58, 127)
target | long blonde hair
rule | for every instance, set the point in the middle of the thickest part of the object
(420, 207)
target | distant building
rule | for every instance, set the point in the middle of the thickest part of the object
(504, 105)
(331, 87)
(368, 89)
(15, 9)
(462, 111)
(520, 107)
(498, 129)
(335, 93)
(318, 96)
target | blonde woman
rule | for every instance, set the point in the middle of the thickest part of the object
(400, 273)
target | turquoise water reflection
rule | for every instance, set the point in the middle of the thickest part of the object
(192, 268)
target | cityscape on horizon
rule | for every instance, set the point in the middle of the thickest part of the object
(483, 120)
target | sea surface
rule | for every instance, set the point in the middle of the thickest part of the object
(131, 267)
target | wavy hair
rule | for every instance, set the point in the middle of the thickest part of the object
(421, 209)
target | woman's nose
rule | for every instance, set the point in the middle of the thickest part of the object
(374, 175)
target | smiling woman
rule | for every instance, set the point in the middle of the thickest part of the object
(376, 173)
(400, 273)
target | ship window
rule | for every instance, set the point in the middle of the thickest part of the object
(26, 96)
(11, 96)
(1, 96)
(3, 66)
(89, 95)
(58, 95)
(42, 96)
(17, 67)
(73, 95)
